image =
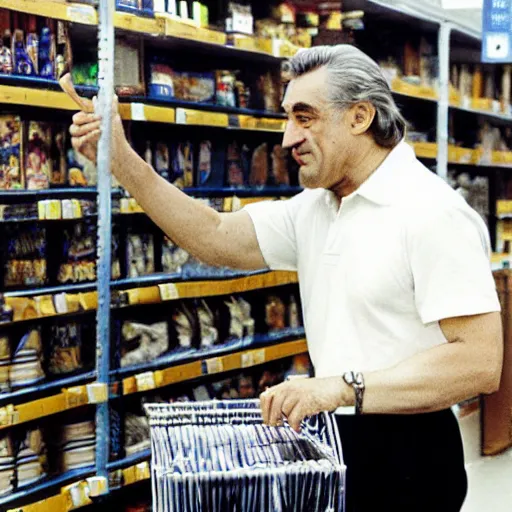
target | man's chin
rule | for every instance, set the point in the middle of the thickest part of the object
(308, 180)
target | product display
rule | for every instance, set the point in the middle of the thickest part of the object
(209, 119)
(140, 255)
(65, 350)
(79, 255)
(142, 343)
(11, 175)
(26, 257)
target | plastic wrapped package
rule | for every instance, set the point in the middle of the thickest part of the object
(143, 343)
(11, 176)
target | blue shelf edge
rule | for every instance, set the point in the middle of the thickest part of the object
(50, 290)
(48, 484)
(212, 107)
(230, 346)
(129, 461)
(179, 278)
(48, 192)
(243, 192)
(12, 397)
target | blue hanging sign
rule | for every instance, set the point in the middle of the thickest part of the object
(497, 31)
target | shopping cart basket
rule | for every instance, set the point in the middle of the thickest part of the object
(219, 457)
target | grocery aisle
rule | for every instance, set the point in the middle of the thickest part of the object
(489, 477)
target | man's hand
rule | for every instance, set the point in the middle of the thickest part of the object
(85, 134)
(299, 398)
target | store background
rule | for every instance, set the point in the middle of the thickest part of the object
(261, 324)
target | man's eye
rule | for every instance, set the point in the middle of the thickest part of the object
(303, 119)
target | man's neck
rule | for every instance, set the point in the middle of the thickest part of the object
(363, 165)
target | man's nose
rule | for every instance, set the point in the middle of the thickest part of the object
(293, 135)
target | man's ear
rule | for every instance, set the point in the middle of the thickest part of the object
(361, 116)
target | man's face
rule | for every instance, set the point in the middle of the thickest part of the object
(316, 132)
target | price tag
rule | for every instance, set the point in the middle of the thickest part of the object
(97, 393)
(82, 14)
(247, 359)
(97, 486)
(168, 291)
(145, 381)
(142, 471)
(214, 365)
(76, 397)
(200, 118)
(137, 112)
(78, 495)
(259, 356)
(8, 416)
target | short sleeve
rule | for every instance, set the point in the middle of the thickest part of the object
(274, 222)
(449, 255)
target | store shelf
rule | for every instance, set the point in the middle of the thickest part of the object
(49, 193)
(41, 303)
(129, 461)
(165, 278)
(78, 13)
(183, 356)
(14, 397)
(53, 290)
(194, 289)
(66, 400)
(498, 116)
(244, 192)
(148, 381)
(162, 27)
(204, 115)
(60, 502)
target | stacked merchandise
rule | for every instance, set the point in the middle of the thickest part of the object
(42, 355)
(210, 164)
(75, 445)
(36, 155)
(201, 327)
(217, 456)
(31, 46)
(23, 459)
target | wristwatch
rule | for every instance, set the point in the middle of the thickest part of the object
(356, 381)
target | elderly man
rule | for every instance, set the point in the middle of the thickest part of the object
(401, 312)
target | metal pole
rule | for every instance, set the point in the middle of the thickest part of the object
(106, 45)
(444, 99)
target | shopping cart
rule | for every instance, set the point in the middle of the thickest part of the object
(218, 456)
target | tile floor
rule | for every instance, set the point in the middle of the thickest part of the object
(490, 478)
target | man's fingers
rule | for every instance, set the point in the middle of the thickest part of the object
(84, 129)
(79, 142)
(289, 403)
(81, 118)
(266, 403)
(295, 418)
(276, 414)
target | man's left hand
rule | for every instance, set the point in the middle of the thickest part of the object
(299, 398)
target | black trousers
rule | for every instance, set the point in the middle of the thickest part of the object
(403, 463)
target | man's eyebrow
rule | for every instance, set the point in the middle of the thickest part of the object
(304, 107)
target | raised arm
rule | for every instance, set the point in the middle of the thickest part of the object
(214, 238)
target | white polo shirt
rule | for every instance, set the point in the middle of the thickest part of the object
(376, 275)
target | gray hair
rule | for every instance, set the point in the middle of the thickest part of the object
(354, 77)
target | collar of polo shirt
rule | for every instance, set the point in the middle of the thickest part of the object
(382, 185)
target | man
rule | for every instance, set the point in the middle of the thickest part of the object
(401, 312)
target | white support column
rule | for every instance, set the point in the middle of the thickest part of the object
(445, 29)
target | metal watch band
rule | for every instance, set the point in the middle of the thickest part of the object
(356, 381)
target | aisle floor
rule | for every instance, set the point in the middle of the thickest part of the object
(489, 478)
